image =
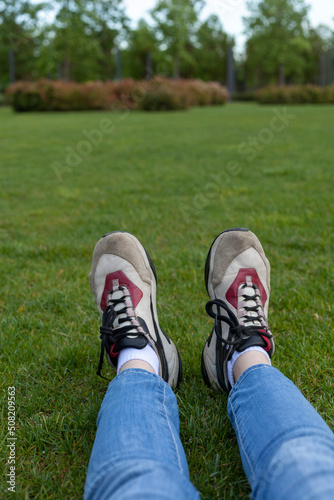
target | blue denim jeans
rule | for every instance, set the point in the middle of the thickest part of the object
(286, 448)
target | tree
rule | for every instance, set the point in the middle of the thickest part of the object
(277, 41)
(74, 44)
(211, 51)
(176, 24)
(141, 43)
(321, 40)
(18, 32)
(110, 26)
(79, 44)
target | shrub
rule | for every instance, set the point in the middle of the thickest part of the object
(218, 94)
(200, 93)
(46, 95)
(162, 100)
(247, 96)
(3, 100)
(299, 94)
(159, 94)
(23, 97)
(186, 93)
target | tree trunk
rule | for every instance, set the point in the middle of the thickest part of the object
(11, 56)
(118, 64)
(149, 66)
(176, 66)
(281, 75)
(323, 69)
(67, 68)
(230, 73)
(330, 66)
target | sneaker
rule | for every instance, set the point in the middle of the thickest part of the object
(237, 277)
(123, 282)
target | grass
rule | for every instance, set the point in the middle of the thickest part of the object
(154, 175)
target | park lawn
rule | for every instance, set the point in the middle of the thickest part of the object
(175, 180)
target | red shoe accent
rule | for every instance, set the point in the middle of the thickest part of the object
(135, 292)
(267, 341)
(112, 353)
(232, 292)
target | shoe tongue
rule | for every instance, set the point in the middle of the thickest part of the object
(249, 322)
(248, 298)
(129, 315)
(117, 325)
(138, 342)
(117, 294)
(252, 341)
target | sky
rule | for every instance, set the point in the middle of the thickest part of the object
(231, 12)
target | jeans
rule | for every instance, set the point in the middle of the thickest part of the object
(287, 449)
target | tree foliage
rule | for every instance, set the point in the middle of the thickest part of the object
(18, 34)
(321, 41)
(277, 39)
(211, 50)
(142, 45)
(176, 24)
(77, 40)
(83, 37)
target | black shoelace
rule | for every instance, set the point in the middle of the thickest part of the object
(109, 335)
(237, 330)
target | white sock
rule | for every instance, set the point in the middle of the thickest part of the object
(147, 354)
(235, 356)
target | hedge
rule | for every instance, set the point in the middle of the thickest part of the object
(296, 94)
(3, 101)
(151, 95)
(247, 96)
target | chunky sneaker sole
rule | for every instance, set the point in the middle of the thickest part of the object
(237, 278)
(123, 282)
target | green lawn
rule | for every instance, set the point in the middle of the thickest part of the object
(168, 179)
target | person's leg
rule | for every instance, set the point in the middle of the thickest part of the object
(137, 452)
(247, 360)
(287, 449)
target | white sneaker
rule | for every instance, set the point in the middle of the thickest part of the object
(123, 282)
(237, 277)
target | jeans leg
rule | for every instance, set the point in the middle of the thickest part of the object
(137, 453)
(286, 448)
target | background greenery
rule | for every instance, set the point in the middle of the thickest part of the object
(152, 176)
(79, 40)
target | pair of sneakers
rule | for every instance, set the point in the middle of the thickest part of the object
(237, 276)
